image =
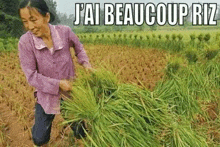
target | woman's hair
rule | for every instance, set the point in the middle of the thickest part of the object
(40, 5)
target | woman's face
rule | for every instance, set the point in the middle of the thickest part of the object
(34, 21)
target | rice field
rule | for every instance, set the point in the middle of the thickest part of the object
(163, 33)
(173, 41)
(17, 95)
(140, 95)
(181, 110)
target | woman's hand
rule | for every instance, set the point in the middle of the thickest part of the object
(65, 85)
(88, 67)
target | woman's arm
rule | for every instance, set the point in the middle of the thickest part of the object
(79, 49)
(29, 66)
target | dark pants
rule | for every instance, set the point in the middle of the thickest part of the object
(42, 127)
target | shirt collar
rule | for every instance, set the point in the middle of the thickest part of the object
(57, 41)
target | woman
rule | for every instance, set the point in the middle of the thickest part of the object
(46, 60)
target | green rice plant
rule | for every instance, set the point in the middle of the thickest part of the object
(173, 66)
(97, 39)
(125, 35)
(141, 37)
(147, 42)
(172, 46)
(192, 41)
(192, 37)
(211, 53)
(100, 84)
(181, 46)
(167, 36)
(118, 118)
(181, 92)
(217, 36)
(196, 78)
(159, 36)
(191, 55)
(168, 45)
(135, 36)
(200, 84)
(153, 35)
(207, 37)
(200, 37)
(173, 37)
(148, 37)
(212, 69)
(184, 136)
(180, 37)
(128, 116)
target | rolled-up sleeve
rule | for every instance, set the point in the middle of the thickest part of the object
(79, 49)
(29, 66)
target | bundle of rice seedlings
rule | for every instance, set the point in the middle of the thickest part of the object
(211, 53)
(200, 37)
(182, 135)
(179, 97)
(102, 84)
(111, 119)
(120, 114)
(191, 55)
(212, 70)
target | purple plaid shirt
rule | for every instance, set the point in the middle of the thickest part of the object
(44, 69)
